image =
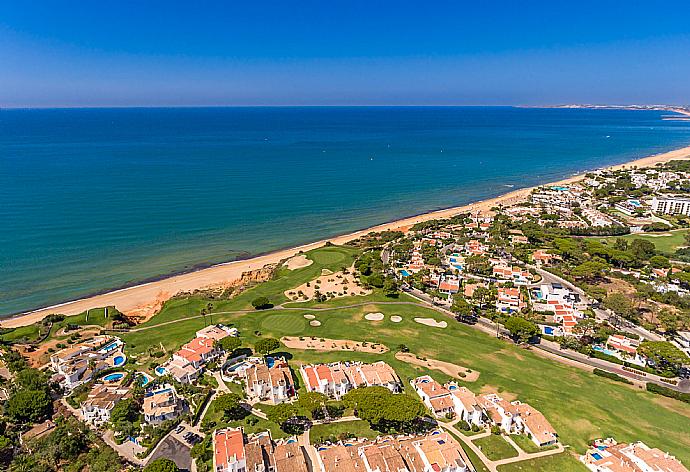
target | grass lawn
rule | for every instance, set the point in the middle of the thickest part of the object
(666, 242)
(495, 447)
(527, 445)
(260, 424)
(334, 431)
(564, 462)
(579, 405)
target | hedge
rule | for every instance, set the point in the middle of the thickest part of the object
(668, 392)
(611, 375)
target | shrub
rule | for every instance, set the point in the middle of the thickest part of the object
(262, 303)
(611, 375)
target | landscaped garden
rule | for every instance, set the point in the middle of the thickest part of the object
(495, 447)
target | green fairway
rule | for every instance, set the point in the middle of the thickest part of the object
(563, 462)
(495, 447)
(666, 243)
(344, 430)
(579, 405)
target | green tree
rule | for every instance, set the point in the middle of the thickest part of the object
(229, 344)
(385, 411)
(521, 329)
(589, 270)
(312, 402)
(390, 287)
(620, 305)
(642, 249)
(664, 354)
(461, 307)
(281, 413)
(262, 303)
(161, 465)
(659, 262)
(266, 346)
(231, 406)
(29, 406)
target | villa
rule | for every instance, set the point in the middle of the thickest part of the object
(338, 378)
(520, 418)
(186, 364)
(162, 404)
(509, 300)
(541, 257)
(449, 284)
(625, 349)
(434, 452)
(434, 395)
(78, 364)
(100, 402)
(269, 381)
(235, 452)
(514, 274)
(606, 455)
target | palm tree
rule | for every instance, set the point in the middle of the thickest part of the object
(209, 308)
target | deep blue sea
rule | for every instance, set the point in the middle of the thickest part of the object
(95, 199)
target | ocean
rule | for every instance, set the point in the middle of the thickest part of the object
(97, 199)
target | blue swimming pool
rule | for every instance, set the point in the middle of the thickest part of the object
(119, 360)
(270, 361)
(143, 380)
(405, 273)
(113, 377)
(596, 456)
(452, 259)
(160, 370)
(608, 352)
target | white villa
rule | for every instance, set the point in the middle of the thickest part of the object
(338, 378)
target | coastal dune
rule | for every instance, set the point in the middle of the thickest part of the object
(137, 298)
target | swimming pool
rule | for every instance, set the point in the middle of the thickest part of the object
(119, 360)
(160, 370)
(113, 377)
(596, 456)
(143, 379)
(404, 273)
(603, 350)
(270, 361)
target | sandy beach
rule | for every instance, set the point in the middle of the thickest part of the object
(147, 296)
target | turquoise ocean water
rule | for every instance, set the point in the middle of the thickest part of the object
(96, 199)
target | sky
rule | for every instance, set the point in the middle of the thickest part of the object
(217, 53)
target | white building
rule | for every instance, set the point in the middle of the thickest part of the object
(100, 402)
(162, 404)
(338, 378)
(671, 205)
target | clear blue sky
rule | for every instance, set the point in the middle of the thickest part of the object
(149, 53)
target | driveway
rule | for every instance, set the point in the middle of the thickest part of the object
(175, 450)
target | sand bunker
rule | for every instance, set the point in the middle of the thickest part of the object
(309, 317)
(374, 316)
(431, 322)
(453, 370)
(297, 262)
(325, 344)
(326, 272)
(314, 323)
(396, 319)
(331, 285)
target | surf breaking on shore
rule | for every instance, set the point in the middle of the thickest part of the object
(138, 298)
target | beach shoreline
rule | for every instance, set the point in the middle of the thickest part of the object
(152, 293)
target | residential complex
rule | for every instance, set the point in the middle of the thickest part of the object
(233, 451)
(606, 455)
(338, 378)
